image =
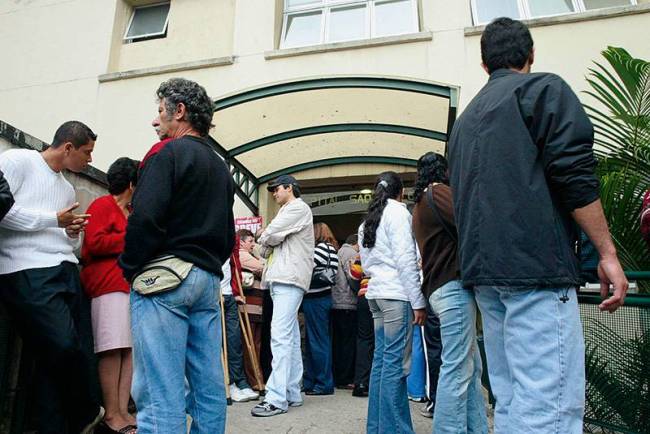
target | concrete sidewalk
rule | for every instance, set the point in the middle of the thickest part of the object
(340, 413)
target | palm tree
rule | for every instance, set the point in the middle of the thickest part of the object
(622, 142)
(618, 382)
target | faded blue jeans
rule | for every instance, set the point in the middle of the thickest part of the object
(536, 358)
(178, 334)
(286, 367)
(388, 405)
(460, 406)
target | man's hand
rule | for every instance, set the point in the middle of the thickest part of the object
(66, 217)
(76, 227)
(259, 232)
(240, 299)
(419, 316)
(611, 272)
(265, 251)
(592, 220)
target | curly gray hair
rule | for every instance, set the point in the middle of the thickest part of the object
(198, 104)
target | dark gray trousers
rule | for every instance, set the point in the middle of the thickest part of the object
(234, 341)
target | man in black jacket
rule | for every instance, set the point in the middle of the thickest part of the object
(183, 208)
(522, 174)
(6, 198)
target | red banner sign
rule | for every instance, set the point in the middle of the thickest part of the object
(250, 223)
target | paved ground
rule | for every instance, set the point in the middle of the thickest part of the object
(335, 414)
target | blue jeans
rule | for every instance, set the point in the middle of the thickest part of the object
(388, 405)
(460, 406)
(535, 352)
(286, 367)
(415, 382)
(318, 344)
(177, 334)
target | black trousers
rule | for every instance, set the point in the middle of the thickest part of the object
(234, 342)
(52, 315)
(365, 343)
(433, 353)
(344, 345)
(265, 347)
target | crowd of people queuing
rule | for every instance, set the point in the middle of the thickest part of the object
(493, 231)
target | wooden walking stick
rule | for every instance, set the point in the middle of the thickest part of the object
(248, 339)
(256, 366)
(224, 351)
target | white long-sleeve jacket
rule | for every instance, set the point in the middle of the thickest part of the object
(291, 237)
(392, 262)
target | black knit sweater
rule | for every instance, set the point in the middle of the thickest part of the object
(182, 206)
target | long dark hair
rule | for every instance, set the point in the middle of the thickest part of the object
(388, 186)
(432, 167)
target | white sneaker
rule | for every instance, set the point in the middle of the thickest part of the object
(239, 395)
(250, 393)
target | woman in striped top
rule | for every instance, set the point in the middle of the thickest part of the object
(316, 306)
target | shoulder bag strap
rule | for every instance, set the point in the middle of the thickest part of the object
(452, 233)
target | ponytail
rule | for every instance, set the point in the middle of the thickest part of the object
(388, 186)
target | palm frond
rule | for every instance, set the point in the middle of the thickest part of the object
(620, 90)
(618, 381)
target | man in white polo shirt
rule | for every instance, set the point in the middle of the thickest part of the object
(39, 280)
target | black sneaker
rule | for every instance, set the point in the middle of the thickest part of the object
(360, 390)
(266, 409)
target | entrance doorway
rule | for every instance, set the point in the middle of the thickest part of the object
(342, 203)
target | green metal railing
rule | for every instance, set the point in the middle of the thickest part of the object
(617, 349)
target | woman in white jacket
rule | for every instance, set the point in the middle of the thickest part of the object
(388, 256)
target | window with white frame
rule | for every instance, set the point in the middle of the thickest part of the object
(313, 22)
(148, 22)
(485, 11)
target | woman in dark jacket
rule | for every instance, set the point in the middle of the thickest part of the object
(460, 407)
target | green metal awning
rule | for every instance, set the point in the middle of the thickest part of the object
(294, 126)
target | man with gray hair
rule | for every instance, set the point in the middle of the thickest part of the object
(176, 325)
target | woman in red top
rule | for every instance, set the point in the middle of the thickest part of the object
(109, 291)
